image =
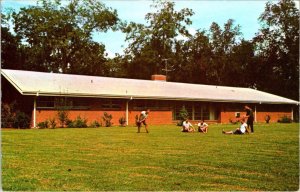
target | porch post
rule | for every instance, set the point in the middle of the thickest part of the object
(127, 112)
(34, 112)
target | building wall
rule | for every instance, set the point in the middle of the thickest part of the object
(155, 117)
(276, 112)
(162, 112)
(91, 116)
(260, 116)
(275, 116)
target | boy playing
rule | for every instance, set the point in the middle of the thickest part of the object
(142, 119)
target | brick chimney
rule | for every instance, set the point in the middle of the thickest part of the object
(158, 78)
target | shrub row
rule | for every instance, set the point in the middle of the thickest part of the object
(79, 122)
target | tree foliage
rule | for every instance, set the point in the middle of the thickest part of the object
(278, 48)
(150, 45)
(58, 37)
(11, 48)
(222, 44)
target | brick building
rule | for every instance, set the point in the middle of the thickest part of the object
(91, 96)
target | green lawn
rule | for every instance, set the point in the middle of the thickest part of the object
(165, 159)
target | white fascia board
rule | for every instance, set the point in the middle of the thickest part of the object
(139, 97)
(12, 82)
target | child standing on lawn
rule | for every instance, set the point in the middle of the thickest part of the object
(142, 119)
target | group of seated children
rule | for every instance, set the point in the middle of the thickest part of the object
(188, 127)
(203, 127)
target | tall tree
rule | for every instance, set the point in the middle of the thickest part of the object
(222, 43)
(278, 47)
(58, 37)
(191, 59)
(243, 65)
(150, 45)
(11, 48)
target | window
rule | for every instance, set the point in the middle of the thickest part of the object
(110, 104)
(205, 112)
(79, 103)
(196, 110)
(154, 105)
(139, 105)
(45, 103)
(69, 103)
(178, 106)
(201, 111)
(233, 107)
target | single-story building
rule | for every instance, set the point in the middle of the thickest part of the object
(91, 96)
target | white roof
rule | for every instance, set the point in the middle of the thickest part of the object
(54, 84)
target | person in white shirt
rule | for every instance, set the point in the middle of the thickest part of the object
(187, 126)
(202, 127)
(240, 130)
(142, 119)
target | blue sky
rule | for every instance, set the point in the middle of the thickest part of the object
(244, 13)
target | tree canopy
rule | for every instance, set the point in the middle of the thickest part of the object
(277, 45)
(56, 36)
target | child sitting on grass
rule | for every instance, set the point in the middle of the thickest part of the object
(240, 130)
(187, 126)
(202, 127)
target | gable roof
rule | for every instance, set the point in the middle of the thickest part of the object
(54, 84)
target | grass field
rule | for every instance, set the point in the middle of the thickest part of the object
(165, 159)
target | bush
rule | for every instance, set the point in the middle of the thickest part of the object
(43, 125)
(70, 123)
(122, 121)
(52, 123)
(285, 119)
(80, 123)
(107, 119)
(95, 124)
(77, 123)
(63, 106)
(183, 115)
(63, 117)
(47, 124)
(12, 117)
(7, 114)
(21, 120)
